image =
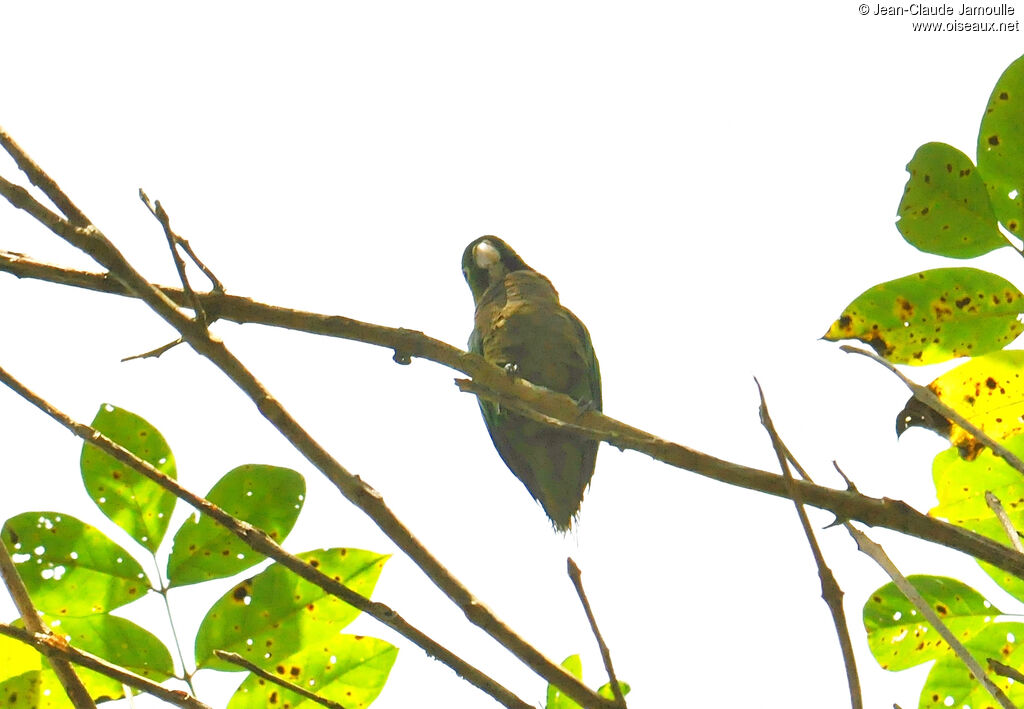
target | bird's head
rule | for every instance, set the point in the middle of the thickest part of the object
(486, 261)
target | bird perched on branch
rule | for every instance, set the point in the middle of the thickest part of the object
(521, 326)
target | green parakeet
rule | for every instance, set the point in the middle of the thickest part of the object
(520, 325)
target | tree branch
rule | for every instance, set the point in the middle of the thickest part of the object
(606, 656)
(831, 593)
(91, 240)
(57, 650)
(260, 541)
(878, 554)
(494, 384)
(71, 682)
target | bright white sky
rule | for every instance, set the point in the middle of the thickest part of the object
(707, 188)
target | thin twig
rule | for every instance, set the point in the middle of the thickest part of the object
(878, 554)
(236, 659)
(56, 649)
(1005, 670)
(927, 397)
(154, 353)
(606, 655)
(830, 590)
(216, 285)
(71, 682)
(41, 180)
(260, 541)
(164, 218)
(92, 241)
(1004, 519)
(494, 384)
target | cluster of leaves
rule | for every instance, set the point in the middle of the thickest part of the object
(76, 576)
(954, 208)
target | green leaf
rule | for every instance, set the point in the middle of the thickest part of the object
(1001, 147)
(277, 613)
(349, 669)
(933, 316)
(960, 486)
(945, 207)
(557, 700)
(263, 495)
(119, 641)
(950, 683)
(71, 568)
(133, 502)
(26, 679)
(605, 689)
(28, 690)
(899, 638)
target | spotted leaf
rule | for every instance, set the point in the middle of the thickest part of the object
(133, 502)
(1001, 147)
(933, 316)
(945, 207)
(900, 638)
(265, 496)
(275, 614)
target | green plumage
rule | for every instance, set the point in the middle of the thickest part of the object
(521, 325)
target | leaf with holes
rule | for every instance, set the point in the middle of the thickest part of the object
(133, 502)
(348, 669)
(275, 614)
(951, 684)
(1001, 147)
(899, 638)
(933, 316)
(960, 485)
(945, 207)
(71, 568)
(263, 495)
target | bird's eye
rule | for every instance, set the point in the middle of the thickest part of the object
(485, 255)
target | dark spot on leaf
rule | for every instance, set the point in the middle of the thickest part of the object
(1003, 96)
(949, 167)
(993, 140)
(991, 383)
(844, 321)
(963, 301)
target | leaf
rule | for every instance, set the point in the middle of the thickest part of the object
(1001, 147)
(349, 669)
(899, 638)
(117, 640)
(933, 316)
(945, 207)
(960, 485)
(275, 614)
(133, 502)
(557, 700)
(26, 679)
(605, 690)
(950, 683)
(989, 392)
(263, 495)
(71, 568)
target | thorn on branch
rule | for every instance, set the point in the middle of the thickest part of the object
(154, 353)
